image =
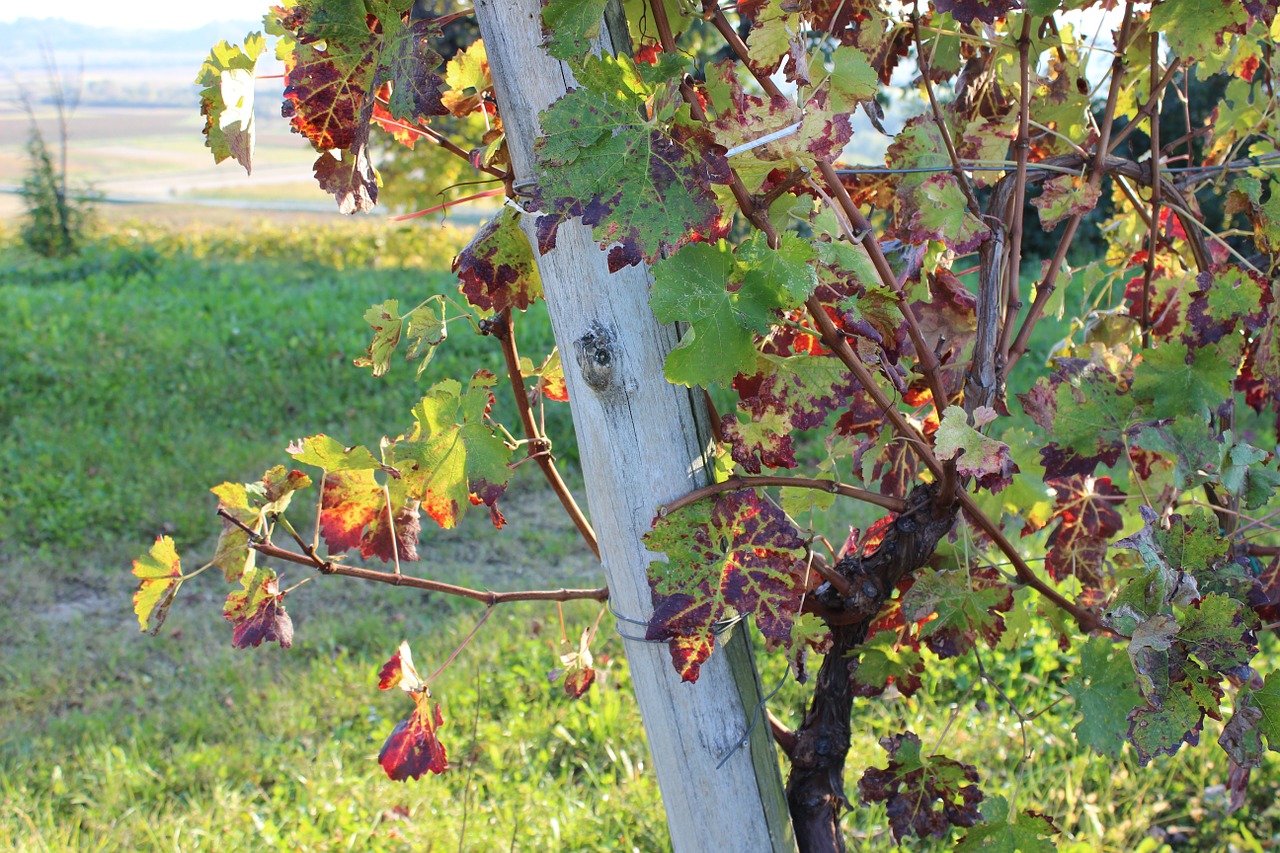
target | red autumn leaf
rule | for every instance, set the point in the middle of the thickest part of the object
(496, 269)
(922, 796)
(578, 667)
(257, 612)
(353, 512)
(734, 555)
(1087, 516)
(400, 672)
(414, 747)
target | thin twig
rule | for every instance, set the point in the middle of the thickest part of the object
(329, 567)
(503, 330)
(757, 482)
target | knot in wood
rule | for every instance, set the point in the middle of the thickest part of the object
(597, 355)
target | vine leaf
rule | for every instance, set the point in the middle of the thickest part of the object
(577, 667)
(233, 554)
(976, 455)
(941, 214)
(452, 457)
(1000, 832)
(882, 661)
(226, 101)
(1085, 510)
(1182, 642)
(159, 575)
(987, 11)
(414, 747)
(726, 299)
(734, 555)
(496, 269)
(1104, 693)
(641, 181)
(550, 382)
(424, 328)
(570, 26)
(343, 54)
(1085, 407)
(815, 131)
(331, 455)
(923, 796)
(1175, 381)
(967, 604)
(256, 612)
(1195, 28)
(1064, 196)
(353, 512)
(250, 504)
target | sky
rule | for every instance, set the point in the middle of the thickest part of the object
(139, 14)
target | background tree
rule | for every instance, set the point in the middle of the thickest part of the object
(878, 322)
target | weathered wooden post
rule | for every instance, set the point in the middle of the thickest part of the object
(643, 442)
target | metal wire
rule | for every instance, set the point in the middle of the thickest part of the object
(755, 719)
(717, 628)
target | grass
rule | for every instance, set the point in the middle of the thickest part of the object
(168, 360)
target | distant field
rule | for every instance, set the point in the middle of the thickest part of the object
(157, 154)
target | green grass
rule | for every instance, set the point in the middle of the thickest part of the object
(163, 362)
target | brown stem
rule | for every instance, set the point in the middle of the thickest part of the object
(501, 328)
(1153, 241)
(757, 482)
(928, 360)
(423, 132)
(1047, 285)
(1087, 621)
(939, 121)
(1013, 212)
(1110, 165)
(815, 789)
(486, 597)
(836, 343)
(1152, 105)
(328, 567)
(929, 365)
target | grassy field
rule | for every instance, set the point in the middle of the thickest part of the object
(167, 360)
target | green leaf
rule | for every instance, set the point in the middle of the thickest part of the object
(570, 26)
(1194, 28)
(942, 214)
(453, 453)
(691, 287)
(853, 79)
(226, 101)
(643, 183)
(976, 455)
(1104, 693)
(1161, 730)
(1172, 386)
(1064, 196)
(881, 662)
(967, 604)
(330, 454)
(385, 320)
(732, 555)
(1267, 699)
(1026, 832)
(159, 575)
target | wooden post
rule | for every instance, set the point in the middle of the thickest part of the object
(643, 442)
